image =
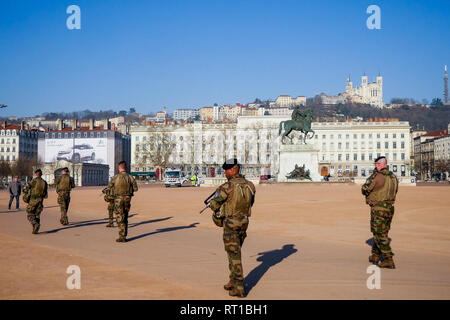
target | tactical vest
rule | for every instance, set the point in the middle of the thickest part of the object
(64, 183)
(240, 201)
(122, 185)
(39, 188)
(388, 191)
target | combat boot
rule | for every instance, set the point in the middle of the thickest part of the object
(110, 225)
(387, 263)
(374, 258)
(229, 285)
(237, 292)
(36, 228)
(121, 239)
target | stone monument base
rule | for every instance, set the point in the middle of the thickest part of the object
(304, 154)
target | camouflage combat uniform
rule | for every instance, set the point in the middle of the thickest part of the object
(122, 186)
(34, 195)
(64, 185)
(109, 198)
(232, 204)
(380, 190)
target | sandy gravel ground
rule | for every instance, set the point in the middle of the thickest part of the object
(304, 242)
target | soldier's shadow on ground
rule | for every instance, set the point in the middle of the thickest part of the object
(192, 225)
(132, 225)
(84, 223)
(268, 259)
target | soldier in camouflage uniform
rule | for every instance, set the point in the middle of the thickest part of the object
(64, 184)
(109, 198)
(122, 186)
(232, 204)
(380, 190)
(34, 194)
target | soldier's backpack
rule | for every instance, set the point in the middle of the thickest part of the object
(242, 199)
(39, 189)
(64, 183)
(392, 187)
(122, 185)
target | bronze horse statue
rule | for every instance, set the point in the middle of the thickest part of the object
(300, 122)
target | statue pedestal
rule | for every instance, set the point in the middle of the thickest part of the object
(304, 154)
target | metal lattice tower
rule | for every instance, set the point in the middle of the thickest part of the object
(445, 85)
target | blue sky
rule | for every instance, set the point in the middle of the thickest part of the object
(150, 54)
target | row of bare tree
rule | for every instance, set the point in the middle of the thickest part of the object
(21, 168)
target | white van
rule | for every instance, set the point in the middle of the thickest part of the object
(173, 178)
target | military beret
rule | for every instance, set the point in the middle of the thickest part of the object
(230, 163)
(38, 171)
(65, 169)
(379, 158)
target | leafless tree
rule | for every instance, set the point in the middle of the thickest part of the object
(5, 169)
(156, 151)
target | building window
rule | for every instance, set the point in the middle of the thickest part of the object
(355, 156)
(347, 157)
(362, 135)
(347, 136)
(339, 157)
(386, 135)
(403, 144)
(402, 135)
(370, 136)
(378, 135)
(394, 135)
(363, 157)
(403, 156)
(370, 157)
(105, 134)
(394, 156)
(378, 145)
(339, 136)
(355, 136)
(386, 145)
(137, 169)
(394, 145)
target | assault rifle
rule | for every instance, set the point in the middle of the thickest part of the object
(207, 202)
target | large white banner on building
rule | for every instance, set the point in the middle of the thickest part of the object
(77, 150)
